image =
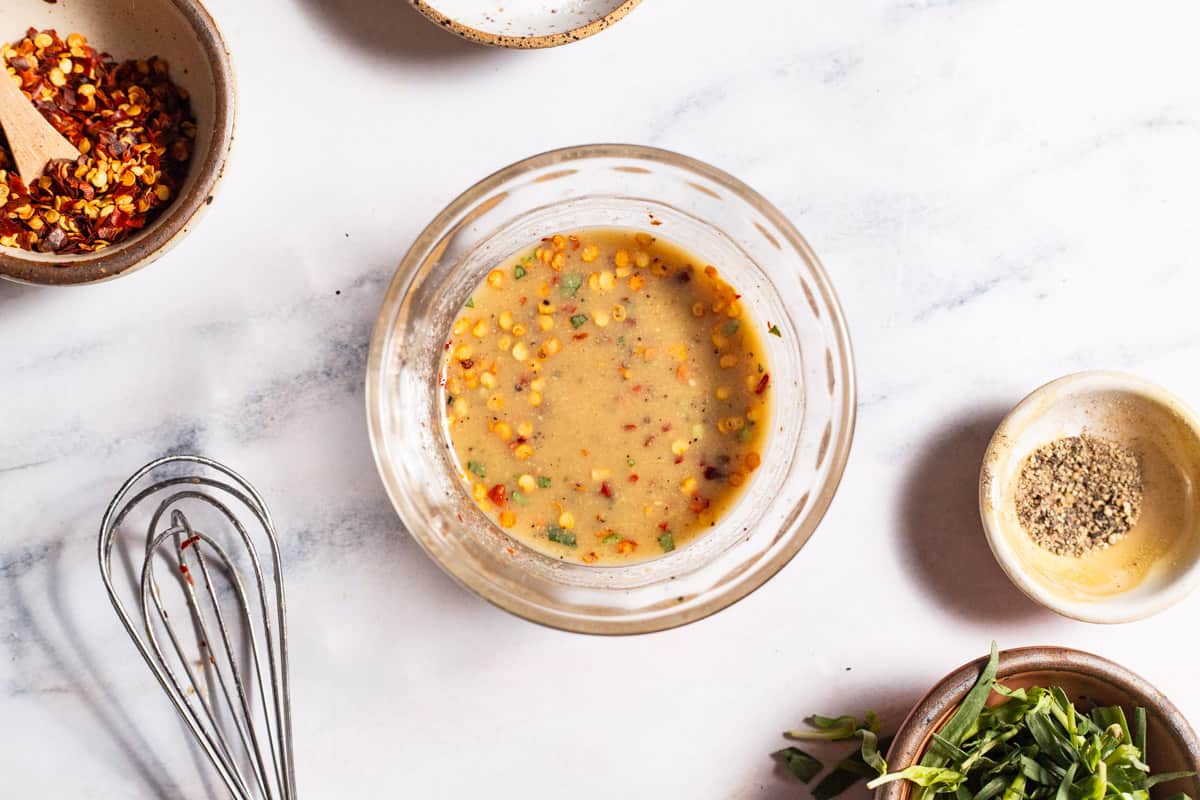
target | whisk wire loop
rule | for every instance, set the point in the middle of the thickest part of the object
(250, 750)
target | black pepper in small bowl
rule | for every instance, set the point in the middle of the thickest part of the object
(1079, 494)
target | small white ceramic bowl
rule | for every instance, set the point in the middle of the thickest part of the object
(1158, 562)
(524, 23)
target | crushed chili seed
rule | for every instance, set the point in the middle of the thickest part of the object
(132, 125)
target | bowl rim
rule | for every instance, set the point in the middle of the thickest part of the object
(726, 594)
(914, 732)
(998, 449)
(175, 222)
(523, 42)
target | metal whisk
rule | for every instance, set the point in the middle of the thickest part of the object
(228, 675)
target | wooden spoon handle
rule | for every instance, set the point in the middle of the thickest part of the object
(34, 142)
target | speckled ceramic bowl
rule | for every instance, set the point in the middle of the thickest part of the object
(1171, 743)
(1158, 562)
(524, 24)
(183, 33)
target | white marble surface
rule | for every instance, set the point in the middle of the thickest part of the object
(1003, 190)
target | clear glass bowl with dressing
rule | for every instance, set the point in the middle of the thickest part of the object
(708, 213)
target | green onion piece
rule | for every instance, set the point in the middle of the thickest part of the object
(518, 497)
(570, 284)
(578, 320)
(612, 538)
(560, 535)
(870, 751)
(799, 763)
(667, 542)
(940, 777)
(744, 435)
(519, 272)
(621, 341)
(543, 482)
(477, 468)
(629, 462)
(774, 331)
(968, 713)
(470, 302)
(1139, 729)
(829, 729)
(731, 327)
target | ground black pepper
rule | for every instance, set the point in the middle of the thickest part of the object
(1078, 494)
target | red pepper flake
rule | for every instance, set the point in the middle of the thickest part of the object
(678, 459)
(122, 117)
(666, 427)
(606, 490)
(762, 383)
(522, 300)
(699, 504)
(629, 426)
(633, 478)
(499, 495)
(188, 542)
(712, 474)
(574, 240)
(662, 526)
(649, 440)
(467, 363)
(579, 337)
(187, 573)
(637, 389)
(570, 308)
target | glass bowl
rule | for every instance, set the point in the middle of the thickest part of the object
(757, 251)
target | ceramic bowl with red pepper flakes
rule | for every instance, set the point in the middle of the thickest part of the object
(145, 92)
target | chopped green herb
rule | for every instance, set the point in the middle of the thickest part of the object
(560, 535)
(845, 774)
(612, 538)
(527, 259)
(731, 327)
(774, 331)
(621, 341)
(1036, 744)
(570, 284)
(470, 302)
(578, 320)
(629, 462)
(799, 763)
(744, 435)
(834, 729)
(518, 497)
(519, 272)
(477, 468)
(543, 482)
(667, 542)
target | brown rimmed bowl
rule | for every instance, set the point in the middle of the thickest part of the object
(524, 24)
(183, 33)
(1171, 743)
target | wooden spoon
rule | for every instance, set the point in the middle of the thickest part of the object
(34, 142)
